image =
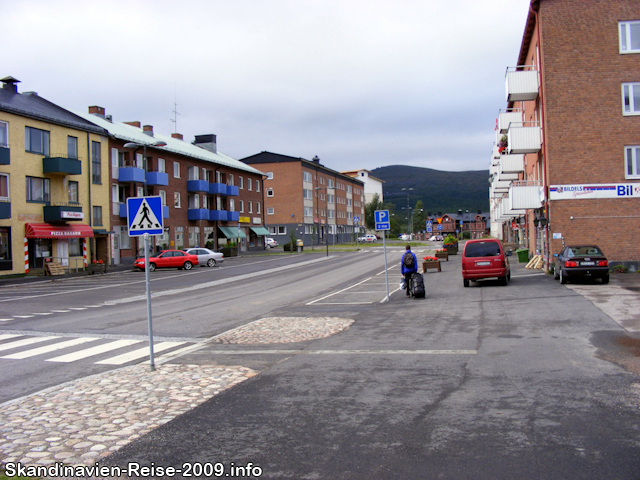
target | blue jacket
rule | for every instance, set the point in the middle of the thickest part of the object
(403, 269)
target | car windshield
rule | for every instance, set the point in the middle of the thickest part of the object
(482, 249)
(584, 251)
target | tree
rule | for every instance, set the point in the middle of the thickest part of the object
(369, 208)
(419, 217)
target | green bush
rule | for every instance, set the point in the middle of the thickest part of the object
(619, 268)
(449, 239)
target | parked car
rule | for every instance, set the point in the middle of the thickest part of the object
(367, 239)
(581, 261)
(484, 258)
(270, 242)
(436, 238)
(206, 257)
(168, 259)
(405, 237)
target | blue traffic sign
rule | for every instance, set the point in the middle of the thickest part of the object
(382, 220)
(440, 227)
(144, 215)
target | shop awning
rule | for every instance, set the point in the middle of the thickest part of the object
(46, 230)
(232, 232)
(260, 231)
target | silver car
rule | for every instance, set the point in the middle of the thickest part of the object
(206, 257)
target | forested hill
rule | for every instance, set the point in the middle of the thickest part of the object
(439, 191)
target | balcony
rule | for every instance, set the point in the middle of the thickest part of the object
(5, 209)
(197, 186)
(506, 177)
(524, 137)
(521, 83)
(62, 213)
(218, 215)
(131, 174)
(525, 194)
(232, 191)
(198, 214)
(61, 165)
(123, 210)
(233, 216)
(217, 189)
(512, 163)
(5, 157)
(165, 211)
(505, 117)
(157, 178)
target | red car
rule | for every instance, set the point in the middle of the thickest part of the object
(168, 259)
(484, 258)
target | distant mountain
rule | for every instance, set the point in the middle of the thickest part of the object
(439, 191)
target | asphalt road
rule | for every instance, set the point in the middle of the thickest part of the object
(486, 382)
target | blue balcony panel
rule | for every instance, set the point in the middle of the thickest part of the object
(233, 217)
(5, 157)
(198, 214)
(62, 165)
(131, 174)
(5, 210)
(233, 191)
(123, 210)
(218, 215)
(165, 211)
(197, 186)
(158, 178)
(217, 189)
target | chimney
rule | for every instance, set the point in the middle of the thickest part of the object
(133, 124)
(177, 135)
(9, 83)
(97, 111)
(148, 130)
(109, 118)
(316, 159)
(208, 142)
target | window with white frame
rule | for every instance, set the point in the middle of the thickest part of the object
(205, 202)
(176, 200)
(332, 214)
(258, 185)
(249, 187)
(282, 230)
(193, 173)
(4, 134)
(269, 192)
(331, 199)
(161, 165)
(240, 182)
(4, 187)
(241, 206)
(630, 37)
(232, 205)
(193, 201)
(632, 157)
(140, 192)
(270, 211)
(230, 179)
(176, 170)
(250, 205)
(163, 197)
(306, 193)
(631, 98)
(272, 230)
(306, 177)
(269, 175)
(308, 211)
(258, 208)
(330, 184)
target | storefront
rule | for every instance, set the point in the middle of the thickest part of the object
(58, 243)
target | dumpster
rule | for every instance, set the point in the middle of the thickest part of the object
(523, 255)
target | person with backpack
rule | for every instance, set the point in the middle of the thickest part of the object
(408, 266)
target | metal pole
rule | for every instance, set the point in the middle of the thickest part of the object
(146, 279)
(386, 272)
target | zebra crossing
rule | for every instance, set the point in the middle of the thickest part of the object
(59, 349)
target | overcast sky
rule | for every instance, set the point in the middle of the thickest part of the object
(359, 83)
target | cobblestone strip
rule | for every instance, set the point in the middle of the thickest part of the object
(284, 330)
(82, 421)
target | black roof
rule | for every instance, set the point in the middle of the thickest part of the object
(29, 104)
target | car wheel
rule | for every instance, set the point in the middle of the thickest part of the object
(504, 281)
(563, 278)
(268, 246)
(211, 262)
(555, 274)
(152, 267)
(605, 279)
(465, 282)
(188, 265)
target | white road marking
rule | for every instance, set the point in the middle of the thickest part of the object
(48, 313)
(22, 343)
(49, 348)
(61, 311)
(339, 291)
(23, 316)
(6, 337)
(343, 352)
(77, 308)
(89, 352)
(137, 354)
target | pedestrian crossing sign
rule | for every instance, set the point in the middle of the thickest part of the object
(144, 215)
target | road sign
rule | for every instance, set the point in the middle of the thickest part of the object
(429, 223)
(144, 215)
(429, 229)
(382, 220)
(440, 227)
(356, 219)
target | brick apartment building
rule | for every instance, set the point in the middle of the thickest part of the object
(566, 164)
(208, 198)
(305, 198)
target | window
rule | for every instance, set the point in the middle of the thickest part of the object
(193, 201)
(306, 177)
(331, 199)
(192, 173)
(176, 170)
(308, 211)
(163, 197)
(161, 165)
(230, 179)
(176, 199)
(269, 175)
(139, 192)
(282, 230)
(332, 214)
(72, 192)
(205, 202)
(36, 140)
(4, 134)
(272, 230)
(97, 215)
(4, 187)
(37, 189)
(306, 193)
(249, 187)
(240, 182)
(75, 247)
(241, 206)
(270, 211)
(179, 238)
(96, 163)
(250, 207)
(232, 205)
(269, 192)
(72, 147)
(348, 188)
(631, 98)
(632, 155)
(330, 183)
(630, 37)
(257, 185)
(258, 208)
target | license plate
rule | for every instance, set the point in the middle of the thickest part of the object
(587, 263)
(483, 264)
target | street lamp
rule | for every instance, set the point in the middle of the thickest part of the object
(326, 241)
(408, 208)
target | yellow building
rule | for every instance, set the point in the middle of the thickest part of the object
(54, 185)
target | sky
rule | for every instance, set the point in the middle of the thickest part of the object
(358, 83)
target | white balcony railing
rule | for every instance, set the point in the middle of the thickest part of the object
(521, 83)
(524, 137)
(525, 194)
(512, 163)
(505, 117)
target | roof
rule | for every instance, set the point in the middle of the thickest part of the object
(465, 217)
(270, 157)
(30, 105)
(354, 173)
(129, 133)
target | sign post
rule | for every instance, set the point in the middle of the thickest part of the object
(144, 218)
(383, 223)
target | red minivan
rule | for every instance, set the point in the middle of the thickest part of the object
(484, 258)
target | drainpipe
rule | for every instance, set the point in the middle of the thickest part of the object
(89, 190)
